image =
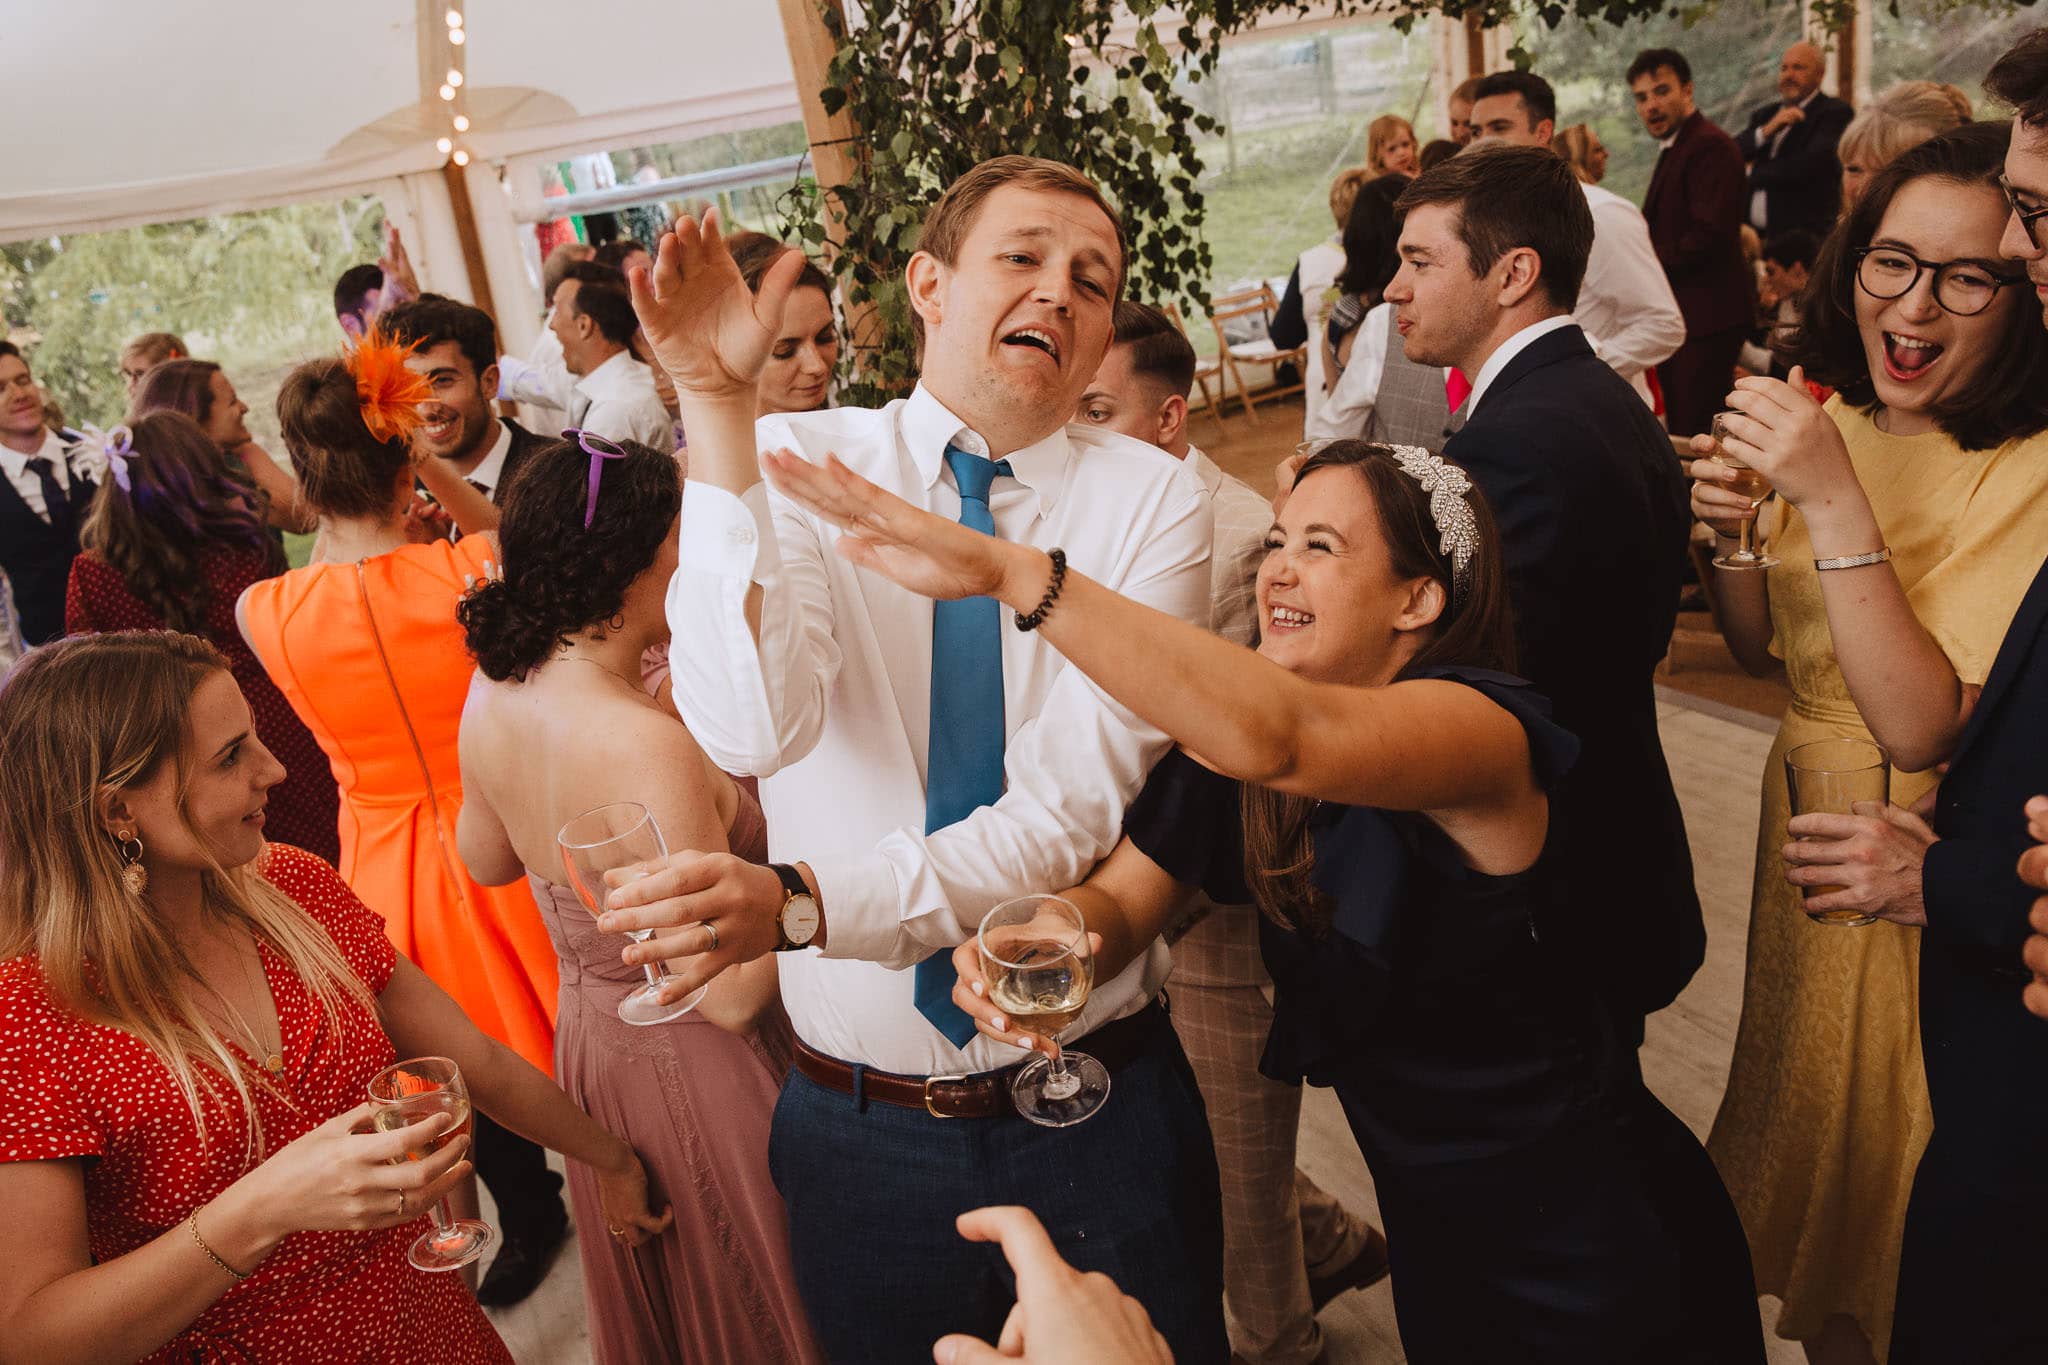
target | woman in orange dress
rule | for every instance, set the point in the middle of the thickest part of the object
(364, 643)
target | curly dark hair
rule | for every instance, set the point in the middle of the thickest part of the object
(560, 578)
(2007, 401)
(179, 506)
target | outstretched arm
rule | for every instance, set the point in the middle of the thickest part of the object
(1244, 715)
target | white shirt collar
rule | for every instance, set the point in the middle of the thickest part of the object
(614, 377)
(492, 467)
(1206, 469)
(54, 448)
(927, 426)
(1507, 351)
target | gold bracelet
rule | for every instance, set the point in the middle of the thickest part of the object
(211, 1254)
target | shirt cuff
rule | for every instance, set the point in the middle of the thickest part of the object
(723, 535)
(862, 909)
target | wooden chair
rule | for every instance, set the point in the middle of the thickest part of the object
(1255, 302)
(1206, 369)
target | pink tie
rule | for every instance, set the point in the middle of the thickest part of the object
(1457, 388)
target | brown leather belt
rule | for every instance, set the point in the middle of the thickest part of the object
(985, 1094)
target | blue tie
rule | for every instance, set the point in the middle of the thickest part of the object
(964, 761)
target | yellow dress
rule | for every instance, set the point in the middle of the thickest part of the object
(1826, 1111)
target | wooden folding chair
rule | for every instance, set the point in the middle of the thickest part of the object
(1256, 302)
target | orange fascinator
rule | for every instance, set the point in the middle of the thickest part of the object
(388, 393)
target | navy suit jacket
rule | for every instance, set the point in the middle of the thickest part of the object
(1802, 180)
(1987, 1057)
(1593, 522)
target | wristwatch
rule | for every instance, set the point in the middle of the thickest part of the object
(797, 923)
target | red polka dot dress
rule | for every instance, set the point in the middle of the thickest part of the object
(74, 1089)
(305, 807)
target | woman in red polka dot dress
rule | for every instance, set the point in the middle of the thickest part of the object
(188, 1021)
(172, 539)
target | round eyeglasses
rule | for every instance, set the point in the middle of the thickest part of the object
(1964, 288)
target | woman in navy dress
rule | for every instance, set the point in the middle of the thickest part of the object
(1379, 783)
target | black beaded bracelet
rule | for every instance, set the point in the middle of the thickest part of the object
(1052, 594)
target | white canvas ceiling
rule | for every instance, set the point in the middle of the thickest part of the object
(131, 112)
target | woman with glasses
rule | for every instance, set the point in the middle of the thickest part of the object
(1915, 514)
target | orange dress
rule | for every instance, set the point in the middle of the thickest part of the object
(371, 657)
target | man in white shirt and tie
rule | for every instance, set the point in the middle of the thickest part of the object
(925, 767)
(614, 394)
(43, 501)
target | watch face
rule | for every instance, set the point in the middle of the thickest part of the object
(800, 919)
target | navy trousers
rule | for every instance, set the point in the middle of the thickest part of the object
(873, 1189)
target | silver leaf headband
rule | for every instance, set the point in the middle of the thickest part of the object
(1457, 528)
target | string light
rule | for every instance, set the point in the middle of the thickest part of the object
(444, 145)
(450, 144)
(462, 123)
(447, 92)
(454, 18)
(455, 78)
(462, 156)
(457, 36)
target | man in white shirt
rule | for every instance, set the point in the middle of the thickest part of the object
(43, 501)
(1626, 307)
(1288, 1246)
(614, 394)
(869, 714)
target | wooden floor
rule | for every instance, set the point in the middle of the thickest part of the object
(1717, 761)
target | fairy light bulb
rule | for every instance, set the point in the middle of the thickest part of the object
(454, 18)
(462, 123)
(461, 156)
(444, 145)
(457, 36)
(454, 78)
(448, 92)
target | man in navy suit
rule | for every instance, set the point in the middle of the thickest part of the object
(1795, 180)
(1976, 1249)
(43, 501)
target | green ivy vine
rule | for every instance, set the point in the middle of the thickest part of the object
(934, 86)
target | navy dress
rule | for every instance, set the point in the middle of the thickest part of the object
(1540, 1204)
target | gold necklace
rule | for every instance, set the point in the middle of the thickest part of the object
(633, 683)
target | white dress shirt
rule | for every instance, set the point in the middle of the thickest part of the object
(1237, 548)
(833, 708)
(491, 469)
(618, 399)
(1345, 409)
(1626, 307)
(1507, 351)
(15, 465)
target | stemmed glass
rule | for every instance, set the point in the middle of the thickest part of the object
(1749, 483)
(404, 1094)
(1038, 967)
(608, 839)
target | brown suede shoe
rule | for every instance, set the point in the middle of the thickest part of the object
(1368, 1267)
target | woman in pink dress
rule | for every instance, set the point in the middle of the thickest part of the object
(556, 725)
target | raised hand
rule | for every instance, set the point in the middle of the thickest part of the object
(1778, 428)
(704, 326)
(930, 555)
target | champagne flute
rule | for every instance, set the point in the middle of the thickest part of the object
(607, 839)
(403, 1095)
(1036, 961)
(1750, 483)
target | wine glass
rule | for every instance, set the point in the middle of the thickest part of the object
(607, 839)
(1036, 962)
(1749, 483)
(403, 1095)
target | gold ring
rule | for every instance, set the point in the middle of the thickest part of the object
(712, 930)
(401, 1203)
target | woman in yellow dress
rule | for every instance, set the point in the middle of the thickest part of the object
(1916, 512)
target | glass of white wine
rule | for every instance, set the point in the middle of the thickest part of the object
(611, 837)
(1036, 962)
(1747, 483)
(402, 1095)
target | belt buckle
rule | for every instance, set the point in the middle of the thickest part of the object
(931, 1081)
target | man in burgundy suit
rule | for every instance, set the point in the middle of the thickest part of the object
(1698, 195)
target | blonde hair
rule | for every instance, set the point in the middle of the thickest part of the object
(1899, 119)
(1575, 145)
(1378, 135)
(1344, 193)
(156, 347)
(77, 718)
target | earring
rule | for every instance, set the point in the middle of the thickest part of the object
(617, 622)
(134, 875)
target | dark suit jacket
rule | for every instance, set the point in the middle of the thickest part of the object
(1593, 521)
(1697, 203)
(1802, 180)
(37, 556)
(1987, 1058)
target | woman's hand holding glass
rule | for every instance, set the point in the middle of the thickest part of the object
(1776, 428)
(970, 993)
(930, 555)
(708, 330)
